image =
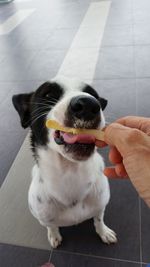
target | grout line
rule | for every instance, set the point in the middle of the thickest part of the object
(95, 79)
(95, 256)
(140, 230)
(134, 65)
(23, 1)
(50, 256)
(136, 99)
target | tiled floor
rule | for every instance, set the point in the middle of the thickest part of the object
(33, 53)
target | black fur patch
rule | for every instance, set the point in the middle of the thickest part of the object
(34, 107)
(21, 104)
(80, 151)
(88, 89)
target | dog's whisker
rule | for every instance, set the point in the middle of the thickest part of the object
(44, 97)
(53, 100)
(38, 114)
(40, 109)
(42, 104)
(37, 118)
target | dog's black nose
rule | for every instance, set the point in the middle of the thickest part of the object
(84, 107)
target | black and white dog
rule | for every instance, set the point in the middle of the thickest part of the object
(68, 185)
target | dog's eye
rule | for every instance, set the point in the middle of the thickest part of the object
(53, 92)
(48, 95)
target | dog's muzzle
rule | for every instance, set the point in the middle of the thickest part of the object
(82, 112)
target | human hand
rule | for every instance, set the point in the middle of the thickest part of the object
(129, 141)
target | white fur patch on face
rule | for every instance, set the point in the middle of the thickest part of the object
(69, 84)
(102, 122)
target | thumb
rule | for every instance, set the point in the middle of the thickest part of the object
(122, 137)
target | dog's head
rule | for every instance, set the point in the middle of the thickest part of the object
(69, 102)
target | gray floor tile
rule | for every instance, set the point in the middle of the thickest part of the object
(45, 64)
(2, 57)
(141, 33)
(9, 43)
(12, 256)
(14, 66)
(70, 260)
(122, 216)
(143, 96)
(120, 13)
(11, 134)
(5, 14)
(72, 7)
(60, 39)
(141, 11)
(142, 62)
(145, 214)
(35, 40)
(118, 35)
(5, 90)
(44, 17)
(120, 95)
(11, 142)
(70, 20)
(115, 62)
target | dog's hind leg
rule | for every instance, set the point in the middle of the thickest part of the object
(107, 235)
(54, 236)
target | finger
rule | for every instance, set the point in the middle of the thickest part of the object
(111, 172)
(99, 143)
(114, 173)
(140, 123)
(123, 138)
(115, 135)
(114, 132)
(120, 170)
(114, 156)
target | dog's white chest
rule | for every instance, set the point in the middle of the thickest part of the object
(68, 195)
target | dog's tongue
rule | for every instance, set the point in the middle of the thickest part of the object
(79, 138)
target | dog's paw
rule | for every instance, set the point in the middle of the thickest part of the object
(107, 235)
(54, 238)
(55, 241)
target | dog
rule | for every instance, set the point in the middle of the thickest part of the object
(68, 185)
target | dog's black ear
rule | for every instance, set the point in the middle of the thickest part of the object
(103, 102)
(90, 90)
(21, 103)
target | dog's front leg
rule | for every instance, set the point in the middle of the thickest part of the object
(54, 236)
(106, 234)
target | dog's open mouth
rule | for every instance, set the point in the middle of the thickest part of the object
(80, 145)
(68, 138)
